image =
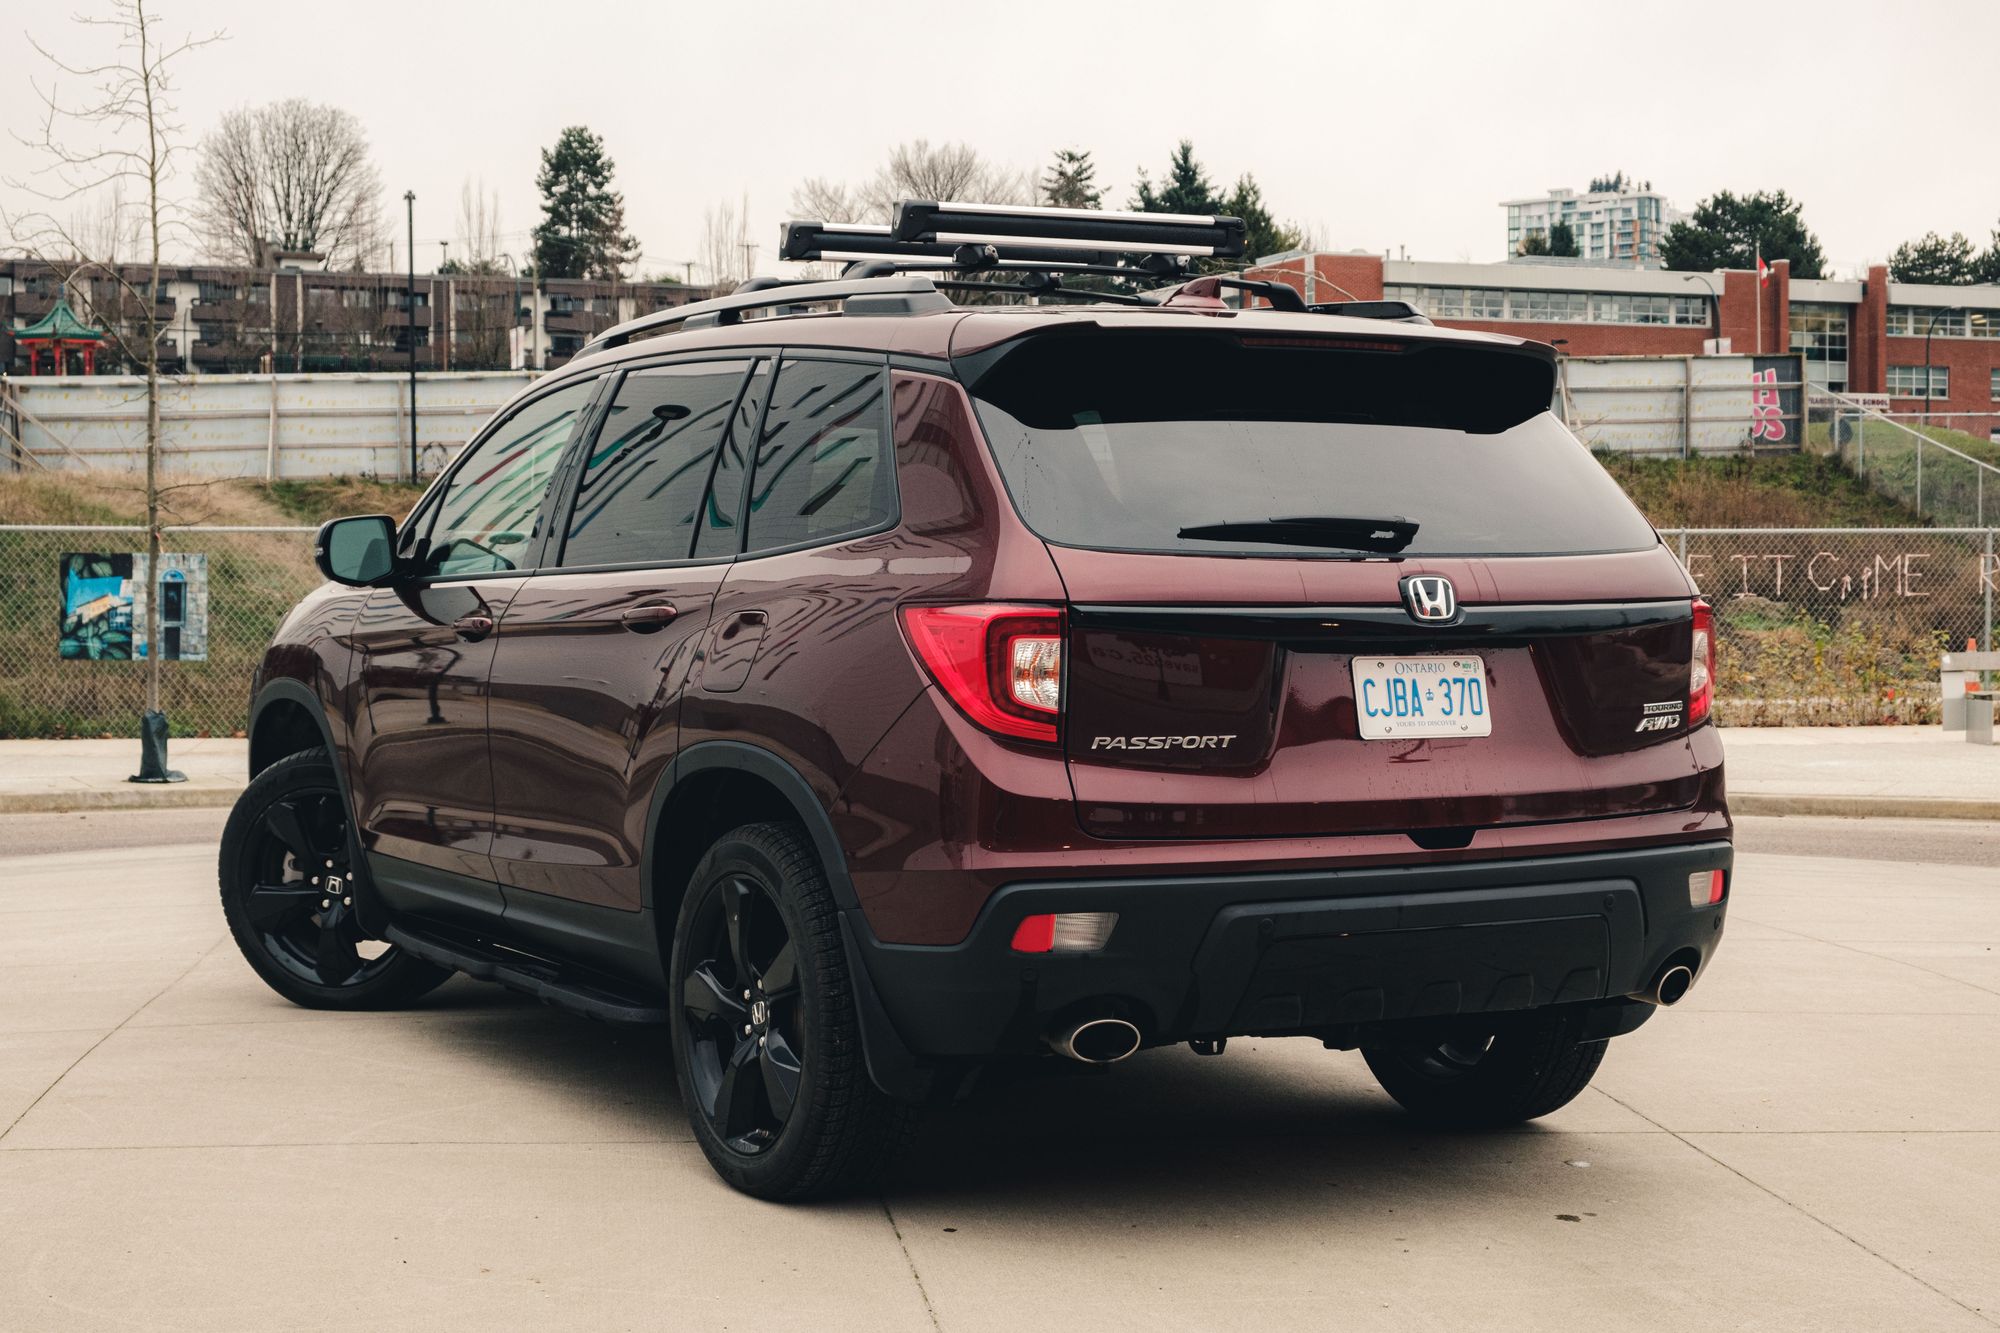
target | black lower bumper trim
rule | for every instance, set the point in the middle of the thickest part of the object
(1228, 955)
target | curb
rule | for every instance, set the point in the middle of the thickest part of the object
(1862, 807)
(180, 796)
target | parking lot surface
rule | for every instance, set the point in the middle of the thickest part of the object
(1811, 1141)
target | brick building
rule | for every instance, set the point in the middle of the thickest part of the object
(297, 317)
(1861, 337)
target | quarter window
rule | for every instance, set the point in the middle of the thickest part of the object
(486, 521)
(823, 470)
(648, 470)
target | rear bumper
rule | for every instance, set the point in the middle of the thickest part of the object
(1332, 953)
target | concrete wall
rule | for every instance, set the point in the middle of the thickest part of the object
(274, 426)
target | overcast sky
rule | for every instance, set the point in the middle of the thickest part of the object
(1386, 126)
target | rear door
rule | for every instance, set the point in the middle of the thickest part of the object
(1229, 675)
(594, 651)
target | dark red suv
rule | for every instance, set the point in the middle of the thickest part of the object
(875, 688)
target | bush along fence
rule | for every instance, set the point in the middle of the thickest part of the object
(1822, 626)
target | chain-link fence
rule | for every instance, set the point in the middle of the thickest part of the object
(58, 643)
(1815, 626)
(1839, 626)
(1942, 467)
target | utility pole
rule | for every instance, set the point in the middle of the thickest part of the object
(410, 294)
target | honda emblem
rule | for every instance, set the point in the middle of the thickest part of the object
(1430, 598)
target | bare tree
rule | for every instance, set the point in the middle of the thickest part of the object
(725, 244)
(915, 170)
(823, 200)
(120, 131)
(952, 171)
(478, 228)
(293, 174)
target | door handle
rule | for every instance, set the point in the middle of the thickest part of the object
(648, 617)
(472, 628)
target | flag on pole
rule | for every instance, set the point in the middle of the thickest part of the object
(1763, 269)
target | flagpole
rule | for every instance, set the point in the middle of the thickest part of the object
(1759, 289)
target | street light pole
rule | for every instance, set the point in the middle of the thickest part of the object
(1714, 301)
(410, 297)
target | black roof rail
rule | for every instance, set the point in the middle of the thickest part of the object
(904, 295)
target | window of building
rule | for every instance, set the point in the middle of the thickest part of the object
(357, 298)
(822, 469)
(1908, 381)
(1819, 334)
(1917, 321)
(1995, 390)
(648, 470)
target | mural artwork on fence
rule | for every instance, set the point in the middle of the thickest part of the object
(104, 606)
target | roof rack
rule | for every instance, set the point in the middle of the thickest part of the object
(923, 220)
(902, 295)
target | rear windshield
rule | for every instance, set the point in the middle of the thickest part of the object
(1123, 442)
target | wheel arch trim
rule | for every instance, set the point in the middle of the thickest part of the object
(758, 762)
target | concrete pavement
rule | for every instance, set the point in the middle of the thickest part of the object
(1811, 1141)
(1910, 772)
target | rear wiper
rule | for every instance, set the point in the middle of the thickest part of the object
(1334, 530)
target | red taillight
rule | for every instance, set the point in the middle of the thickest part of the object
(1705, 888)
(1001, 664)
(1701, 672)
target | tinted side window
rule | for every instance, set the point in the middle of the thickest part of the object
(648, 469)
(486, 520)
(716, 533)
(823, 465)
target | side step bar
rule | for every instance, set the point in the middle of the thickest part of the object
(565, 988)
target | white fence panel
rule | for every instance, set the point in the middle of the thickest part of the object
(259, 425)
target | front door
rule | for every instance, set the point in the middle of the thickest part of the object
(593, 653)
(422, 777)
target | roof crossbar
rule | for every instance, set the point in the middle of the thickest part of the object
(904, 295)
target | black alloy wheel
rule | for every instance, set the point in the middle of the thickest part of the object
(768, 1044)
(289, 893)
(745, 1024)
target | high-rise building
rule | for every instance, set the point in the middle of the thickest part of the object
(1620, 225)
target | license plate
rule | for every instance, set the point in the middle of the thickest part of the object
(1397, 698)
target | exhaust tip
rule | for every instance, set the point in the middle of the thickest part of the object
(1097, 1041)
(1669, 987)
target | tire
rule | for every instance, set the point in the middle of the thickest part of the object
(1521, 1069)
(285, 847)
(785, 1111)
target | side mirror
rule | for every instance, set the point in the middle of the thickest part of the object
(360, 552)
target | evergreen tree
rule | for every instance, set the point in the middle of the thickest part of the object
(1728, 232)
(582, 232)
(1262, 233)
(1071, 181)
(1944, 260)
(1562, 241)
(1187, 188)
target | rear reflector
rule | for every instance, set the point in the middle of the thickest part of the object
(1064, 932)
(1705, 888)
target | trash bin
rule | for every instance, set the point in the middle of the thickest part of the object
(1979, 715)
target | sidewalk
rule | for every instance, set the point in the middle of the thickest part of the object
(44, 776)
(1902, 772)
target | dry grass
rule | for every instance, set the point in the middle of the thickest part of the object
(1773, 491)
